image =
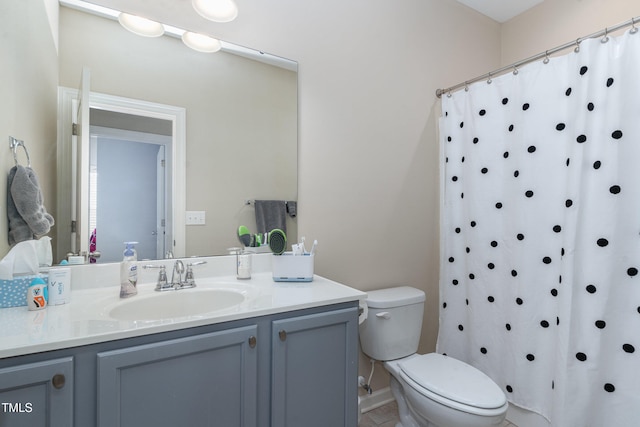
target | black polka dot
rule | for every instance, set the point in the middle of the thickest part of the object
(531, 149)
(520, 236)
(601, 324)
(568, 161)
(609, 387)
(491, 266)
(467, 250)
(628, 348)
(444, 305)
(516, 173)
(508, 326)
(473, 223)
(560, 126)
(498, 205)
(557, 228)
(546, 260)
(451, 259)
(632, 271)
(602, 242)
(531, 357)
(506, 154)
(609, 82)
(514, 273)
(567, 92)
(529, 193)
(484, 170)
(475, 140)
(491, 299)
(494, 244)
(458, 230)
(554, 292)
(568, 203)
(583, 70)
(591, 289)
(581, 139)
(461, 124)
(597, 164)
(483, 112)
(510, 128)
(460, 328)
(504, 101)
(455, 282)
(614, 189)
(590, 106)
(581, 357)
(472, 276)
(483, 350)
(509, 388)
(616, 134)
(544, 324)
(519, 301)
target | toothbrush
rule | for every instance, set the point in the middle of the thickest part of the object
(313, 248)
(304, 250)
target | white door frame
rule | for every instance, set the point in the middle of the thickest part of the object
(176, 115)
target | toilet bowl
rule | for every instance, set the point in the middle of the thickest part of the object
(430, 389)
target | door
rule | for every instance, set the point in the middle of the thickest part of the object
(37, 394)
(80, 167)
(206, 380)
(314, 370)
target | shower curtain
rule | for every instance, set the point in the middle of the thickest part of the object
(540, 250)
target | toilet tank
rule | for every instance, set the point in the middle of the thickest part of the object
(392, 328)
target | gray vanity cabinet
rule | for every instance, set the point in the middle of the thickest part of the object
(314, 370)
(37, 394)
(201, 380)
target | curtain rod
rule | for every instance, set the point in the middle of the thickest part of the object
(602, 33)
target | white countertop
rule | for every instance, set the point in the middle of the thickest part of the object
(85, 320)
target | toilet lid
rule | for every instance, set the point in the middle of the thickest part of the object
(454, 380)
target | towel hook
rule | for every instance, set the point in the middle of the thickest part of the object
(14, 144)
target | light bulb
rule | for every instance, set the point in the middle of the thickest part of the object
(216, 10)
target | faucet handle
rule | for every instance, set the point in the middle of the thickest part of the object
(162, 282)
(188, 278)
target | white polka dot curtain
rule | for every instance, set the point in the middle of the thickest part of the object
(541, 233)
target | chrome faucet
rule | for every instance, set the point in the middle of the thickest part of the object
(176, 283)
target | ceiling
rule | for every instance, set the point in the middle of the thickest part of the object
(500, 10)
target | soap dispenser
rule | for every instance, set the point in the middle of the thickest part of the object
(129, 271)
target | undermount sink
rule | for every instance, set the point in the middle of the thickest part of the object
(167, 305)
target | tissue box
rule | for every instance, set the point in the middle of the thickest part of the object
(13, 293)
(292, 268)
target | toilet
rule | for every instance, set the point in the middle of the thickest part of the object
(432, 390)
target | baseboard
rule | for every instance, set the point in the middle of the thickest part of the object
(369, 402)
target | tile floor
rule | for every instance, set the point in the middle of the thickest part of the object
(387, 416)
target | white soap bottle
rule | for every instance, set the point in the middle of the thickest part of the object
(129, 271)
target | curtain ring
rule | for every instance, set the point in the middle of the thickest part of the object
(515, 70)
(489, 81)
(577, 49)
(633, 29)
(606, 37)
(449, 93)
(546, 57)
(466, 86)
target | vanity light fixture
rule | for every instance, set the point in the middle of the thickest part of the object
(201, 42)
(216, 10)
(141, 26)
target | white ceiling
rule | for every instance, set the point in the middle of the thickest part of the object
(500, 10)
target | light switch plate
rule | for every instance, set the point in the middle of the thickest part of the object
(196, 218)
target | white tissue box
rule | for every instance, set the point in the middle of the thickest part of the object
(292, 268)
(13, 293)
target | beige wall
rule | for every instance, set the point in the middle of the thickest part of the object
(556, 22)
(28, 84)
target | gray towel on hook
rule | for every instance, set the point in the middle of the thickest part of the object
(28, 203)
(271, 214)
(19, 231)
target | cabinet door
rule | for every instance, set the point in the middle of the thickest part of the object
(314, 370)
(37, 394)
(203, 380)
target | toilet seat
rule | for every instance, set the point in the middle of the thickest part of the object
(453, 383)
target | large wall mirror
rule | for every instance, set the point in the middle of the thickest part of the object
(240, 139)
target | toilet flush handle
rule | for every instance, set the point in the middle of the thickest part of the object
(384, 315)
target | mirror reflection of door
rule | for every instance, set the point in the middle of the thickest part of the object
(128, 177)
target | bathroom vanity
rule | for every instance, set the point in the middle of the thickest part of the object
(286, 355)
